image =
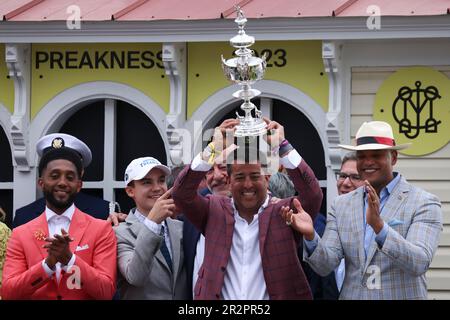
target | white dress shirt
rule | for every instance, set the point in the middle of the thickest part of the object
(55, 224)
(198, 260)
(339, 274)
(244, 277)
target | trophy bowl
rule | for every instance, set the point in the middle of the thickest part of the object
(249, 71)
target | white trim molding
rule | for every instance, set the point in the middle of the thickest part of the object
(331, 55)
(174, 56)
(276, 29)
(53, 115)
(18, 57)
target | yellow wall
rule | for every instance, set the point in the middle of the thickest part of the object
(6, 85)
(47, 82)
(303, 70)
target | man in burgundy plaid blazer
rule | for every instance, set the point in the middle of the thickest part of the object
(250, 252)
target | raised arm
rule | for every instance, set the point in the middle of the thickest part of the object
(305, 182)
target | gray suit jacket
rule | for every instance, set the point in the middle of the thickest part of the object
(143, 271)
(395, 271)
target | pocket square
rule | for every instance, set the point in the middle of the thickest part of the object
(395, 222)
(86, 246)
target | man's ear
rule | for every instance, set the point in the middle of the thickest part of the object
(80, 185)
(40, 183)
(394, 156)
(130, 191)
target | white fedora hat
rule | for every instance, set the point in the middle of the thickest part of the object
(375, 135)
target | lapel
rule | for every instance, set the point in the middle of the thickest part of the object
(357, 211)
(264, 221)
(390, 210)
(175, 234)
(135, 227)
(229, 222)
(39, 231)
(77, 228)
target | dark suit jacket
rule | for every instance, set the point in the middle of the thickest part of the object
(190, 238)
(213, 216)
(95, 207)
(322, 288)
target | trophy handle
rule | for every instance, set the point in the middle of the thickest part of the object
(263, 58)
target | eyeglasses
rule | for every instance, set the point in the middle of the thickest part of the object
(354, 178)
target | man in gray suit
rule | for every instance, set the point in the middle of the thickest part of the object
(387, 230)
(150, 252)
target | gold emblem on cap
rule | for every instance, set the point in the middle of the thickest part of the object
(58, 143)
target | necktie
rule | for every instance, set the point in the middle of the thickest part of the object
(164, 249)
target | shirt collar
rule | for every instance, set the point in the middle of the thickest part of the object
(261, 209)
(391, 185)
(387, 190)
(141, 217)
(50, 214)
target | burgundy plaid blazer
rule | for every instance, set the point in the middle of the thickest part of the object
(213, 216)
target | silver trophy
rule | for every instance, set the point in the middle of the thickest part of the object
(245, 69)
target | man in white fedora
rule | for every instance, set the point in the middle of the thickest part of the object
(387, 230)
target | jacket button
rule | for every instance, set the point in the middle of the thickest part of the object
(217, 295)
(59, 297)
(222, 268)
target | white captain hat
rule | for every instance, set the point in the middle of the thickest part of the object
(59, 140)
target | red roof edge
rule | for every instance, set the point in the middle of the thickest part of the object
(21, 9)
(342, 7)
(127, 9)
(231, 10)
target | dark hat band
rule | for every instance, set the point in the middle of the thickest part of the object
(378, 140)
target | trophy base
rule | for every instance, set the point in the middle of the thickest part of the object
(255, 128)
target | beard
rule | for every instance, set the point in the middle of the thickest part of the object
(60, 204)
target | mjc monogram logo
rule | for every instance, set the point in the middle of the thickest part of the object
(416, 103)
(408, 106)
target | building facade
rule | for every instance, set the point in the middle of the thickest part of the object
(130, 82)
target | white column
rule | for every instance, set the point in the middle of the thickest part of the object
(266, 107)
(25, 188)
(180, 144)
(331, 54)
(18, 58)
(109, 162)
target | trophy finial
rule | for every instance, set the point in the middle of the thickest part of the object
(241, 20)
